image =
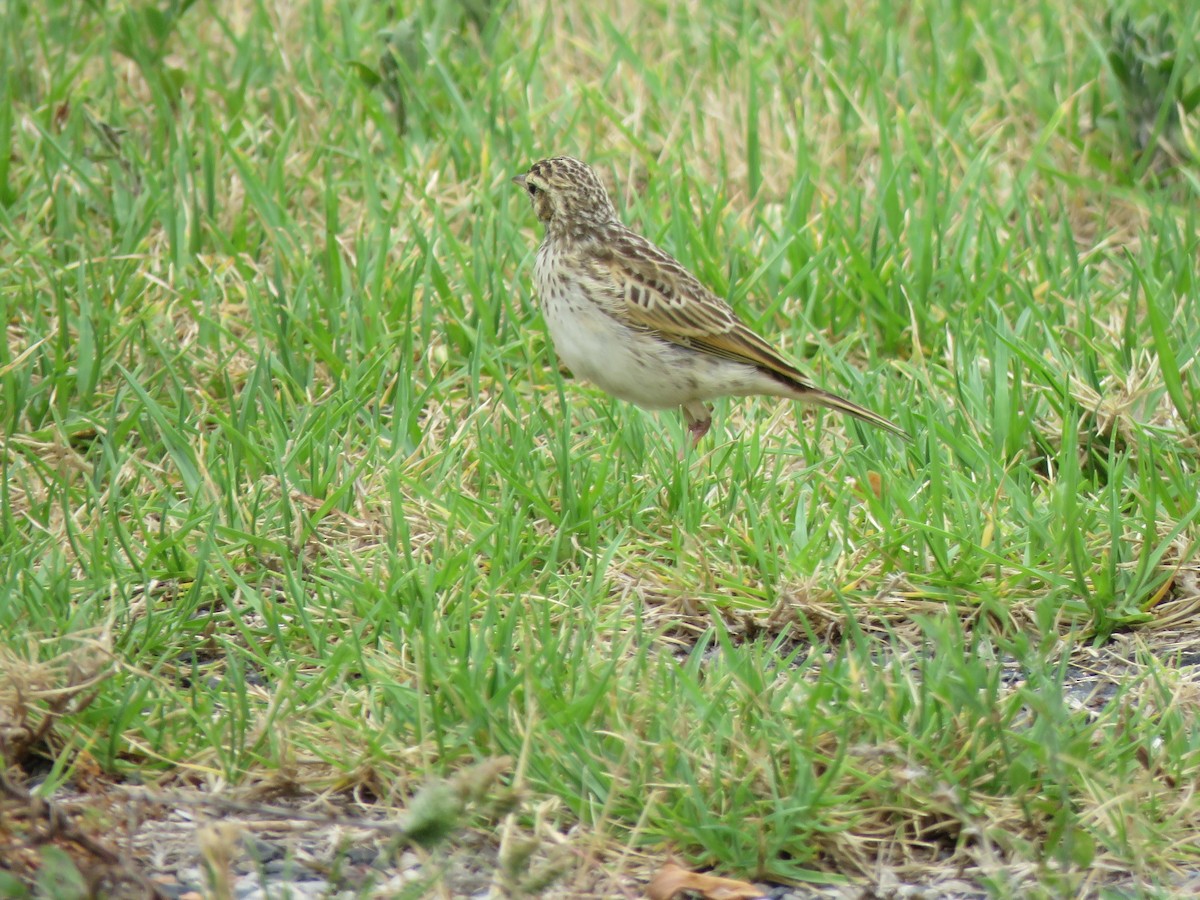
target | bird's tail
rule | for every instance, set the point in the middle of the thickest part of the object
(841, 404)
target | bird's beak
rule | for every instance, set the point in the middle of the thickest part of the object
(519, 180)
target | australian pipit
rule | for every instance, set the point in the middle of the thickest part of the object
(627, 316)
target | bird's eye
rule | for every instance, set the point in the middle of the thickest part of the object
(532, 190)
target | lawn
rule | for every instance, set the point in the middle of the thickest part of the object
(298, 507)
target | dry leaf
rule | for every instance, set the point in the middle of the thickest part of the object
(671, 879)
(875, 481)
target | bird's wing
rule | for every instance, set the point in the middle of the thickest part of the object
(658, 294)
(647, 289)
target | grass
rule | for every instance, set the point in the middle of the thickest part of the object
(283, 440)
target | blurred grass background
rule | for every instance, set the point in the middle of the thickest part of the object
(291, 477)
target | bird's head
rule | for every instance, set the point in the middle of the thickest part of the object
(566, 195)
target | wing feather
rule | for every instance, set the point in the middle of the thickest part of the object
(656, 293)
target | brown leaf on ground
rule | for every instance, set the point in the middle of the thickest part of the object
(875, 483)
(671, 880)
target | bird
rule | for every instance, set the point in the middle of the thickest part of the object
(627, 316)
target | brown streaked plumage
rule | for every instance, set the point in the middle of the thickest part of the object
(626, 315)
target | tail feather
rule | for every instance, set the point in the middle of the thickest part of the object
(798, 387)
(841, 404)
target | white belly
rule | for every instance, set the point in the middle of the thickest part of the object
(635, 366)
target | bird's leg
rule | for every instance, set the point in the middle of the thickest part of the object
(699, 419)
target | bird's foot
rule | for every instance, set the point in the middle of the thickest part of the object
(698, 430)
(699, 419)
